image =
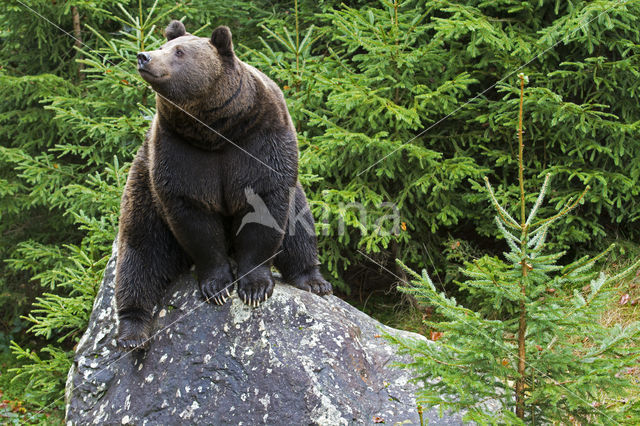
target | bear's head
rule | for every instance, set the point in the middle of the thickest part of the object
(186, 68)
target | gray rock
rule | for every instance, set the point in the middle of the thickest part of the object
(298, 359)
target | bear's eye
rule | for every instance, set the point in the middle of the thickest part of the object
(179, 52)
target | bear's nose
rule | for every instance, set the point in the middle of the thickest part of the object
(143, 58)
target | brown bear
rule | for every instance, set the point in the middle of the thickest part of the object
(215, 179)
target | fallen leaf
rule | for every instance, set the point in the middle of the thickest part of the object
(624, 299)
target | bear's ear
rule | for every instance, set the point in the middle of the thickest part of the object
(221, 39)
(175, 29)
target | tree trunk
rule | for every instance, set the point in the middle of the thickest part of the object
(77, 34)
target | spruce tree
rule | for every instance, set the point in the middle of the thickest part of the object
(405, 103)
(534, 350)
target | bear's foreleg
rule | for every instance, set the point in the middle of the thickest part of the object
(257, 237)
(148, 259)
(202, 235)
(298, 261)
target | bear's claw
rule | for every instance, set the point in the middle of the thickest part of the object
(140, 343)
(256, 287)
(133, 333)
(221, 299)
(217, 283)
(313, 282)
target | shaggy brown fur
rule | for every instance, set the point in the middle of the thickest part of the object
(186, 194)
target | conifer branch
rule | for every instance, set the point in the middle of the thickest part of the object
(634, 267)
(538, 202)
(509, 237)
(564, 211)
(506, 217)
(588, 261)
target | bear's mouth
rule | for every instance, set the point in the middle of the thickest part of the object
(148, 74)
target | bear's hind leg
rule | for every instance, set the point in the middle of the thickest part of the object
(298, 260)
(149, 258)
(143, 271)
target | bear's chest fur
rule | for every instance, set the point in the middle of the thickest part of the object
(178, 170)
(216, 180)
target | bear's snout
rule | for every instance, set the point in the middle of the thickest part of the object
(143, 58)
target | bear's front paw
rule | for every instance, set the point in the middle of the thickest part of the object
(313, 282)
(217, 285)
(132, 335)
(256, 287)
